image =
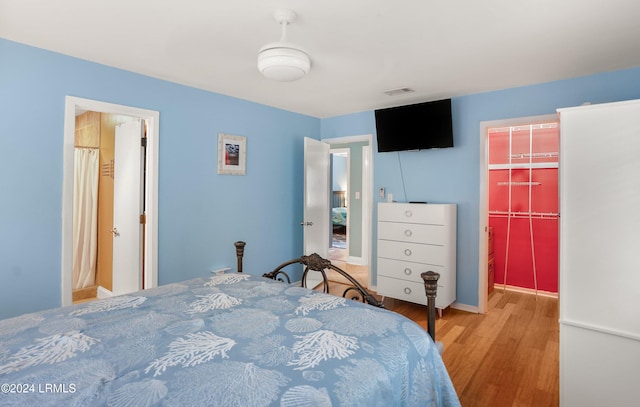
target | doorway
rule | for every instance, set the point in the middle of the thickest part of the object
(339, 182)
(518, 203)
(108, 166)
(351, 201)
(148, 251)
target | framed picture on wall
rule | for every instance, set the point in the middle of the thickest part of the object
(232, 154)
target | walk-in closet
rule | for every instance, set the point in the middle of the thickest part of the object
(523, 207)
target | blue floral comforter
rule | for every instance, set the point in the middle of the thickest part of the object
(229, 340)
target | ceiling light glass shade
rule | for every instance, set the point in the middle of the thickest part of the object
(283, 61)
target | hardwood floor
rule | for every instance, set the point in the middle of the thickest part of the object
(507, 357)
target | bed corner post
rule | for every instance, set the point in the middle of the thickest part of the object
(239, 253)
(431, 289)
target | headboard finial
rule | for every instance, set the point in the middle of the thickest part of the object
(240, 253)
(430, 279)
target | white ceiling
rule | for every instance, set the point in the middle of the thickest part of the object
(358, 48)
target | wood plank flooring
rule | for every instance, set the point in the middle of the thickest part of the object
(507, 357)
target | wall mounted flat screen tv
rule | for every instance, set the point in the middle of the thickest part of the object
(415, 127)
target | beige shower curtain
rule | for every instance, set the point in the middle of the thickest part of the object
(85, 217)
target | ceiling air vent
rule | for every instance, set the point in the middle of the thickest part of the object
(399, 91)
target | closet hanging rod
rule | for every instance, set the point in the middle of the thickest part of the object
(551, 154)
(504, 214)
(519, 183)
(524, 166)
(89, 147)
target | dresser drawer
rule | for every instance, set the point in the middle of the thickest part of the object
(412, 213)
(412, 232)
(414, 252)
(406, 291)
(404, 270)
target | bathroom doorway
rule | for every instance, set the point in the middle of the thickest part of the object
(148, 176)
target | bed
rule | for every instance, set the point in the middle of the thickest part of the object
(339, 216)
(339, 211)
(231, 339)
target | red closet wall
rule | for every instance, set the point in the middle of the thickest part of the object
(523, 205)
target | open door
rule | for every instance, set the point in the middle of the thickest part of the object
(128, 208)
(316, 202)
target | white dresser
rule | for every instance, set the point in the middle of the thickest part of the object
(412, 239)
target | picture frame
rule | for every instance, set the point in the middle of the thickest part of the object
(232, 154)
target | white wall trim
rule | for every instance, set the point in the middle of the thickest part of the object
(152, 118)
(523, 290)
(358, 261)
(349, 139)
(367, 206)
(465, 307)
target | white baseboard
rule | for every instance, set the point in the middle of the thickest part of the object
(475, 310)
(357, 261)
(525, 290)
(103, 292)
(464, 307)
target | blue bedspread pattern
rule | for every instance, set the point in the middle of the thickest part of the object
(228, 340)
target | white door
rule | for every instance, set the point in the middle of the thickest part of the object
(316, 202)
(127, 208)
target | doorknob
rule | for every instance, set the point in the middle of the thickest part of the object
(114, 232)
(303, 223)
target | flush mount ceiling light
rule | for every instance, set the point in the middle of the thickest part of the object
(283, 61)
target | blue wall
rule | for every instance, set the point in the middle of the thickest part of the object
(452, 175)
(201, 213)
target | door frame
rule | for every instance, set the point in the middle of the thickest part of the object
(483, 203)
(152, 118)
(366, 195)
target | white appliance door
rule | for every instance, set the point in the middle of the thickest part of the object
(127, 208)
(316, 202)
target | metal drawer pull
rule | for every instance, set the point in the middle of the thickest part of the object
(407, 271)
(408, 214)
(408, 233)
(407, 252)
(407, 290)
